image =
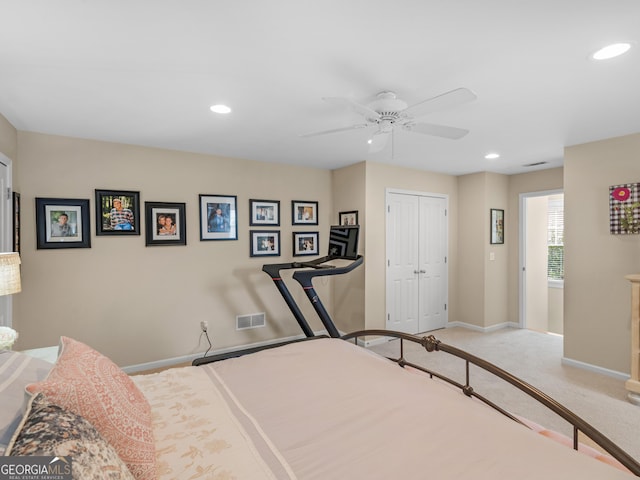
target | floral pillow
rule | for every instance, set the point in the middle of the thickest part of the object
(49, 430)
(89, 384)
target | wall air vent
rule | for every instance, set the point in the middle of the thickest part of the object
(535, 164)
(253, 320)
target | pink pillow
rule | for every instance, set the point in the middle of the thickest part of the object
(88, 384)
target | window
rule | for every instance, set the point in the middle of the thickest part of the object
(555, 238)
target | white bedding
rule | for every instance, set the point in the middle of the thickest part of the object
(326, 409)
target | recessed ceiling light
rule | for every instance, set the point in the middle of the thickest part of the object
(370, 141)
(611, 51)
(492, 156)
(220, 109)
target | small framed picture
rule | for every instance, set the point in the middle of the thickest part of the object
(497, 226)
(265, 243)
(62, 223)
(264, 212)
(165, 223)
(117, 212)
(348, 218)
(304, 213)
(218, 217)
(305, 243)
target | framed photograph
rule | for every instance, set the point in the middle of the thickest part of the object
(62, 223)
(497, 226)
(265, 243)
(117, 212)
(264, 212)
(304, 213)
(16, 222)
(305, 243)
(218, 217)
(348, 218)
(165, 223)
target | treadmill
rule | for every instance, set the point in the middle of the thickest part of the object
(343, 245)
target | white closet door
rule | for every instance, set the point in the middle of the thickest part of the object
(416, 262)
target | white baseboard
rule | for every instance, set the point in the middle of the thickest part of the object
(564, 360)
(594, 368)
(491, 328)
(168, 362)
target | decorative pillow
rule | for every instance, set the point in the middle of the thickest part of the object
(17, 370)
(88, 384)
(49, 430)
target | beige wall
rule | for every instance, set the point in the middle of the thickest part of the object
(164, 292)
(537, 283)
(9, 142)
(596, 295)
(556, 310)
(496, 278)
(348, 192)
(483, 266)
(379, 178)
(472, 243)
(140, 304)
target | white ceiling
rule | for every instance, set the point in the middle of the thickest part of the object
(146, 71)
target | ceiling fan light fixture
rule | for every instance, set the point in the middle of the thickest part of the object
(219, 108)
(611, 51)
(492, 156)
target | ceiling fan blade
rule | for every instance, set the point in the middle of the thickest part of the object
(379, 141)
(363, 110)
(334, 130)
(441, 102)
(437, 130)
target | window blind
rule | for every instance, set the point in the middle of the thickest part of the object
(555, 237)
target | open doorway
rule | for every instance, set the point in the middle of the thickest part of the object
(542, 261)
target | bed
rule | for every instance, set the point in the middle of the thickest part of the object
(324, 408)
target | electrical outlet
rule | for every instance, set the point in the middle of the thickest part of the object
(204, 325)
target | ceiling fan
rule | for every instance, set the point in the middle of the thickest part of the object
(388, 112)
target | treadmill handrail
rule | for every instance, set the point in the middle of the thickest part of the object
(305, 278)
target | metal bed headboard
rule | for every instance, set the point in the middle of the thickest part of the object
(431, 344)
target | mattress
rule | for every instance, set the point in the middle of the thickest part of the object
(326, 409)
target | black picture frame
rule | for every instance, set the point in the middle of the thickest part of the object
(218, 217)
(127, 222)
(16, 222)
(305, 243)
(264, 212)
(265, 243)
(53, 232)
(158, 231)
(497, 226)
(304, 212)
(348, 218)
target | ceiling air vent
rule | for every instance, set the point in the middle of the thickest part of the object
(253, 320)
(535, 164)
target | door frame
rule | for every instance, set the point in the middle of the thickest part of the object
(6, 234)
(522, 250)
(400, 191)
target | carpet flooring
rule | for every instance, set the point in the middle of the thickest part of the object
(536, 358)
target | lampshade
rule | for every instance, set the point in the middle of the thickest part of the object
(9, 273)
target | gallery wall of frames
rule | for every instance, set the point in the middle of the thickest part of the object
(65, 222)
